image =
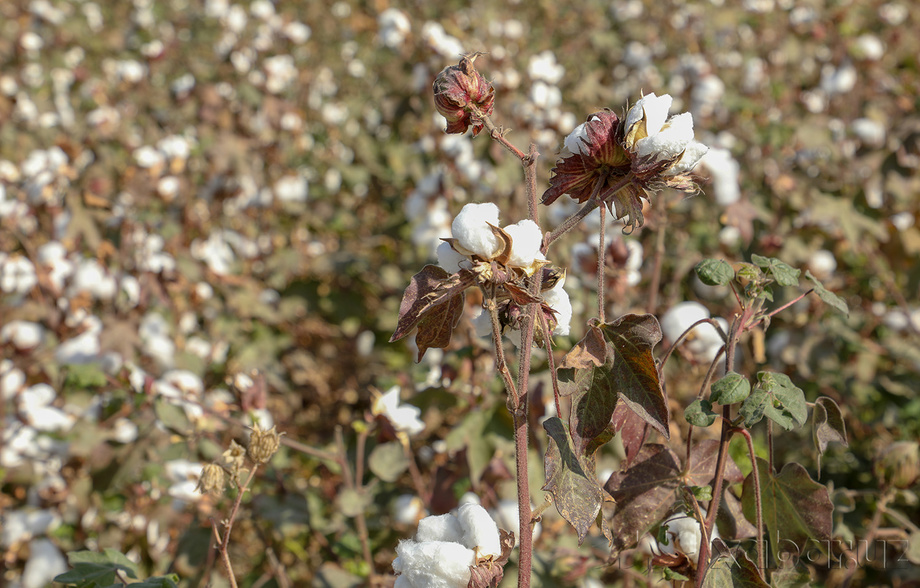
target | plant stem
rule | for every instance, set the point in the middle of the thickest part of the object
(757, 498)
(496, 133)
(500, 363)
(727, 430)
(601, 266)
(224, 543)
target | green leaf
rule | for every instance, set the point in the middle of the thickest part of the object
(670, 575)
(715, 272)
(92, 569)
(702, 493)
(388, 461)
(827, 425)
(699, 413)
(729, 389)
(796, 509)
(87, 375)
(827, 296)
(632, 338)
(351, 502)
(783, 273)
(172, 416)
(777, 398)
(571, 479)
(731, 568)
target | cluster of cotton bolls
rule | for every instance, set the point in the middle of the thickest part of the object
(31, 525)
(704, 342)
(474, 237)
(445, 547)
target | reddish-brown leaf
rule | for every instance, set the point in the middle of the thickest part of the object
(633, 337)
(591, 351)
(646, 492)
(633, 431)
(428, 289)
(571, 479)
(436, 327)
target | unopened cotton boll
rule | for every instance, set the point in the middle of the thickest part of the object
(526, 239)
(471, 229)
(480, 532)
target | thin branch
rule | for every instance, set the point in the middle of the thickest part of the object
(601, 266)
(757, 498)
(496, 133)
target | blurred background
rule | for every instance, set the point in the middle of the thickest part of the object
(209, 211)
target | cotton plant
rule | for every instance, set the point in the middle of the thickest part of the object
(610, 382)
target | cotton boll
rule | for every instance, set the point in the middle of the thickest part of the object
(407, 508)
(575, 141)
(471, 229)
(558, 299)
(45, 562)
(685, 536)
(692, 155)
(448, 258)
(444, 527)
(671, 141)
(480, 532)
(433, 564)
(724, 171)
(526, 239)
(679, 318)
(654, 109)
(24, 335)
(822, 263)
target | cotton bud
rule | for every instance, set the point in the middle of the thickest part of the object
(233, 457)
(263, 444)
(463, 96)
(213, 480)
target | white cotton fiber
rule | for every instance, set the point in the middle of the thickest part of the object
(558, 300)
(471, 229)
(526, 238)
(444, 527)
(448, 258)
(433, 564)
(671, 141)
(479, 530)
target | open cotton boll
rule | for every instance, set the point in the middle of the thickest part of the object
(444, 527)
(575, 141)
(651, 107)
(433, 564)
(526, 238)
(685, 536)
(679, 318)
(692, 155)
(558, 299)
(471, 229)
(480, 532)
(671, 141)
(448, 258)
